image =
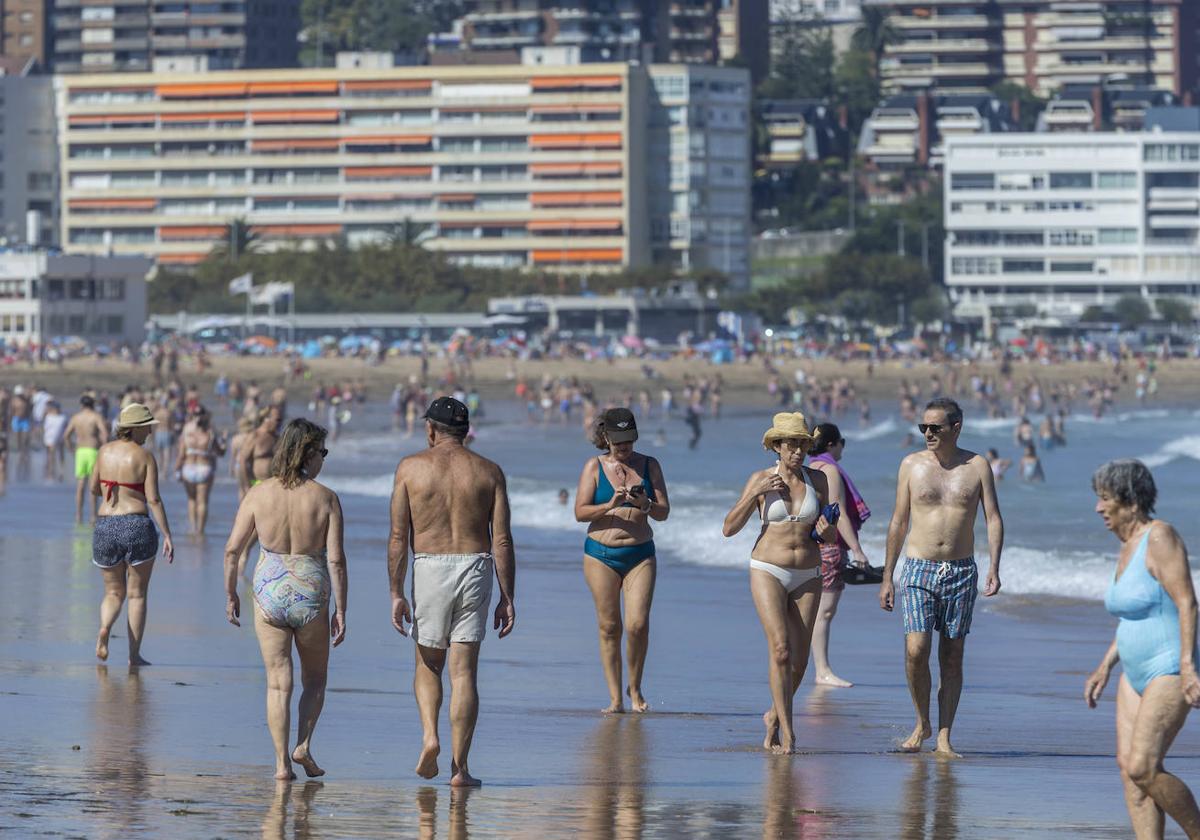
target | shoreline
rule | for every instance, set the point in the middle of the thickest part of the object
(743, 384)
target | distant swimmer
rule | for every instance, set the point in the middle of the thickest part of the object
(86, 431)
(938, 496)
(1152, 595)
(450, 507)
(1031, 466)
(998, 465)
(124, 543)
(785, 564)
(619, 493)
(301, 520)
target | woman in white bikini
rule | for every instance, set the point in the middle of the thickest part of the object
(785, 565)
(196, 464)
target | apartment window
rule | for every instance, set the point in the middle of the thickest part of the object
(1172, 152)
(40, 181)
(1070, 180)
(456, 144)
(503, 144)
(1116, 180)
(1118, 236)
(1021, 266)
(96, 36)
(1181, 180)
(671, 87)
(111, 289)
(1080, 267)
(972, 181)
(114, 325)
(975, 265)
(1072, 237)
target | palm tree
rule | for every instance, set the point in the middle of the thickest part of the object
(875, 33)
(239, 240)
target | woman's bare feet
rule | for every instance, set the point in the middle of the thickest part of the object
(304, 758)
(785, 746)
(613, 708)
(833, 680)
(943, 748)
(459, 777)
(913, 742)
(427, 766)
(772, 724)
(636, 701)
(283, 773)
(102, 646)
(137, 661)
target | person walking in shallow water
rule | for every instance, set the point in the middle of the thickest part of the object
(938, 496)
(617, 496)
(451, 507)
(1152, 595)
(785, 564)
(302, 522)
(124, 542)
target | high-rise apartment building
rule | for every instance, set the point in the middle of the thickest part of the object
(600, 31)
(29, 183)
(132, 35)
(23, 29)
(1061, 222)
(508, 166)
(957, 45)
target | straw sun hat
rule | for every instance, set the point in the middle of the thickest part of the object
(786, 425)
(135, 415)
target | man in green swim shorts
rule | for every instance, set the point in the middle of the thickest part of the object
(86, 432)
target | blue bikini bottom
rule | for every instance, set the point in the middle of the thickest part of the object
(620, 558)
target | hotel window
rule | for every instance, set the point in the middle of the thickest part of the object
(1118, 236)
(1172, 152)
(972, 181)
(1116, 180)
(1072, 237)
(975, 265)
(1019, 266)
(1070, 180)
(1072, 267)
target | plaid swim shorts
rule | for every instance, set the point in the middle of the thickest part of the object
(938, 595)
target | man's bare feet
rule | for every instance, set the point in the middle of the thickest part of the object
(772, 724)
(459, 777)
(284, 774)
(137, 661)
(833, 680)
(613, 708)
(913, 742)
(427, 766)
(304, 758)
(636, 701)
(102, 645)
(943, 748)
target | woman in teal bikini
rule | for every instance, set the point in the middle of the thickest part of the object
(1152, 595)
(619, 492)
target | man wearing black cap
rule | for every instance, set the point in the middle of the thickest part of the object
(451, 506)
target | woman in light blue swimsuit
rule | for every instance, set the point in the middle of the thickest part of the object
(1152, 595)
(618, 494)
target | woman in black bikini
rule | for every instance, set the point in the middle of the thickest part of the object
(124, 543)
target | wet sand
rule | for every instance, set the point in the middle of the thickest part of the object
(180, 749)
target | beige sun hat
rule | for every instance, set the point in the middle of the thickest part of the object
(786, 425)
(135, 415)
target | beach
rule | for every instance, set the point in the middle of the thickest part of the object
(180, 749)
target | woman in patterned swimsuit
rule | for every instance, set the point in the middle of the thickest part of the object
(301, 521)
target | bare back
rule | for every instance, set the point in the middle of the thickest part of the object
(124, 462)
(292, 520)
(451, 495)
(87, 429)
(944, 502)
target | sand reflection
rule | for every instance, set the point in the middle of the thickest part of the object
(789, 807)
(615, 779)
(300, 806)
(122, 720)
(458, 823)
(917, 821)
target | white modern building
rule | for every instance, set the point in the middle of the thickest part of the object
(1066, 221)
(99, 299)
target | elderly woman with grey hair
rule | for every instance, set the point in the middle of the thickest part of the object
(1152, 595)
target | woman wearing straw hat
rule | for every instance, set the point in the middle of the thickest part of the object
(785, 564)
(124, 543)
(302, 522)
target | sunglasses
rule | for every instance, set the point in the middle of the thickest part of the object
(933, 428)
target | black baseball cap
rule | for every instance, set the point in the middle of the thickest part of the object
(449, 412)
(619, 425)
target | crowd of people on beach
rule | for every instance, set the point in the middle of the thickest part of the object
(450, 543)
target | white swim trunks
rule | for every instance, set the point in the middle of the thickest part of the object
(451, 594)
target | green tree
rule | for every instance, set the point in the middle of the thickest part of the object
(874, 34)
(1030, 103)
(1131, 310)
(239, 240)
(857, 87)
(1094, 314)
(1175, 311)
(331, 26)
(804, 68)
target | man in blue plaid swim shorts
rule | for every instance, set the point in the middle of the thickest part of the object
(938, 495)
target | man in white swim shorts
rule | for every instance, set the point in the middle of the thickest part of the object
(451, 507)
